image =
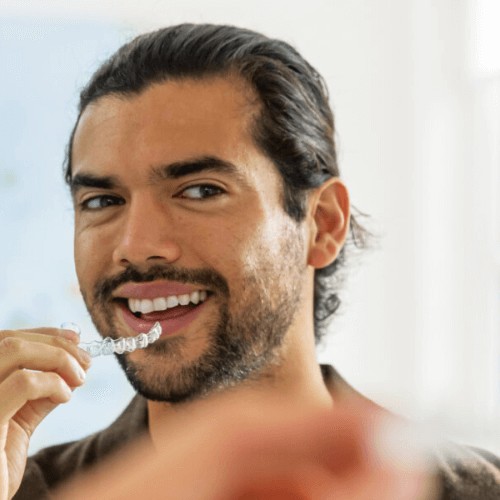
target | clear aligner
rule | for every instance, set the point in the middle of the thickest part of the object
(109, 346)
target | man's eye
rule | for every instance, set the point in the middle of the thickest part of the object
(99, 202)
(200, 192)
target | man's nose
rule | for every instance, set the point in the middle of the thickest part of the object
(147, 234)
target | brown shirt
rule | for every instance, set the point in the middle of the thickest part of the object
(472, 474)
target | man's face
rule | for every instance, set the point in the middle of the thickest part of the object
(179, 219)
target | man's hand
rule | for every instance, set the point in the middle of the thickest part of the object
(228, 449)
(38, 369)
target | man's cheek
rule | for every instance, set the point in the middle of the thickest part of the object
(87, 263)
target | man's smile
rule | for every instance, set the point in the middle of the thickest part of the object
(173, 304)
(146, 306)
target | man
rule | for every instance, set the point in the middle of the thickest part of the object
(207, 197)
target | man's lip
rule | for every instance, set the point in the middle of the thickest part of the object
(169, 326)
(154, 289)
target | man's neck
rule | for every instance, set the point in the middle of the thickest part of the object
(297, 383)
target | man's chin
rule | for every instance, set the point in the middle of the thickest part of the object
(171, 395)
(172, 385)
(161, 372)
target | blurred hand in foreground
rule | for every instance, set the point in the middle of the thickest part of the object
(236, 449)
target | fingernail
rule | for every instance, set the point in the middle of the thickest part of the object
(81, 373)
(69, 335)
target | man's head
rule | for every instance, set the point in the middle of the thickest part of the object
(198, 154)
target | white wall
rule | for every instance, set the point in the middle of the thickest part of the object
(419, 330)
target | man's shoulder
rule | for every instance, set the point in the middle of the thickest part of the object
(464, 473)
(51, 466)
(468, 473)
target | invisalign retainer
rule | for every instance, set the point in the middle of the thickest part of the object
(109, 346)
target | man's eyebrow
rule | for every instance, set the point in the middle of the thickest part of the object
(163, 172)
(194, 166)
(80, 181)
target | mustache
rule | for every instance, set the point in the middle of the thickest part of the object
(103, 290)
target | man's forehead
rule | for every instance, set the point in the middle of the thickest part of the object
(168, 122)
(226, 96)
(203, 110)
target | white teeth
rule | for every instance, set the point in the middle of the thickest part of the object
(172, 301)
(160, 304)
(195, 297)
(184, 299)
(146, 306)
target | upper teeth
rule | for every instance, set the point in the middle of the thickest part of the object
(145, 306)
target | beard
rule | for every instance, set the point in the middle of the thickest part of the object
(241, 343)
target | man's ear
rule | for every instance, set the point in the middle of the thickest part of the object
(330, 213)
